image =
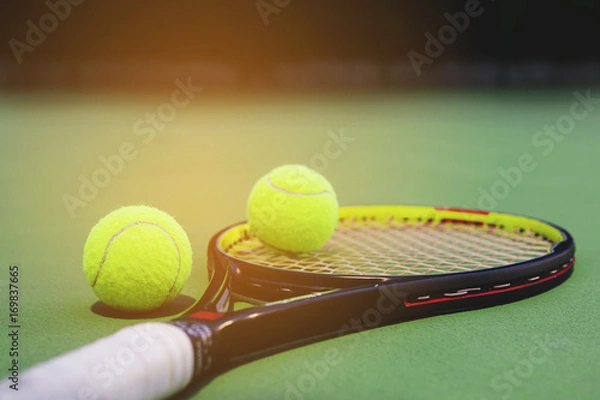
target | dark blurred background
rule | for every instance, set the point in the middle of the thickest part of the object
(297, 44)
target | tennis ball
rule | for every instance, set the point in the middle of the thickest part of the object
(137, 258)
(293, 208)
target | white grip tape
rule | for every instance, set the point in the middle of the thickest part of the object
(152, 360)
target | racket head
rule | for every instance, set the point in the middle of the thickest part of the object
(447, 250)
(299, 305)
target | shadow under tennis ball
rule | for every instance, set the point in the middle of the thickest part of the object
(178, 305)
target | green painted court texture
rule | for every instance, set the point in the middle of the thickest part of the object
(66, 160)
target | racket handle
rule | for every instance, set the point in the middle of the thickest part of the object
(147, 361)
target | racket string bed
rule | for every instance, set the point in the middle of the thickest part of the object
(395, 248)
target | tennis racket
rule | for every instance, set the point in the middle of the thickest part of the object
(383, 265)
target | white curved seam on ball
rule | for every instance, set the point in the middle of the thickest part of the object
(282, 190)
(113, 237)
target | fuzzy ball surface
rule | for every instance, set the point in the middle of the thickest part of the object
(137, 258)
(293, 208)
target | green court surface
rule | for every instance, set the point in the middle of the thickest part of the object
(462, 149)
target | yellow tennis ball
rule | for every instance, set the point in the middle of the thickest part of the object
(293, 208)
(137, 258)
